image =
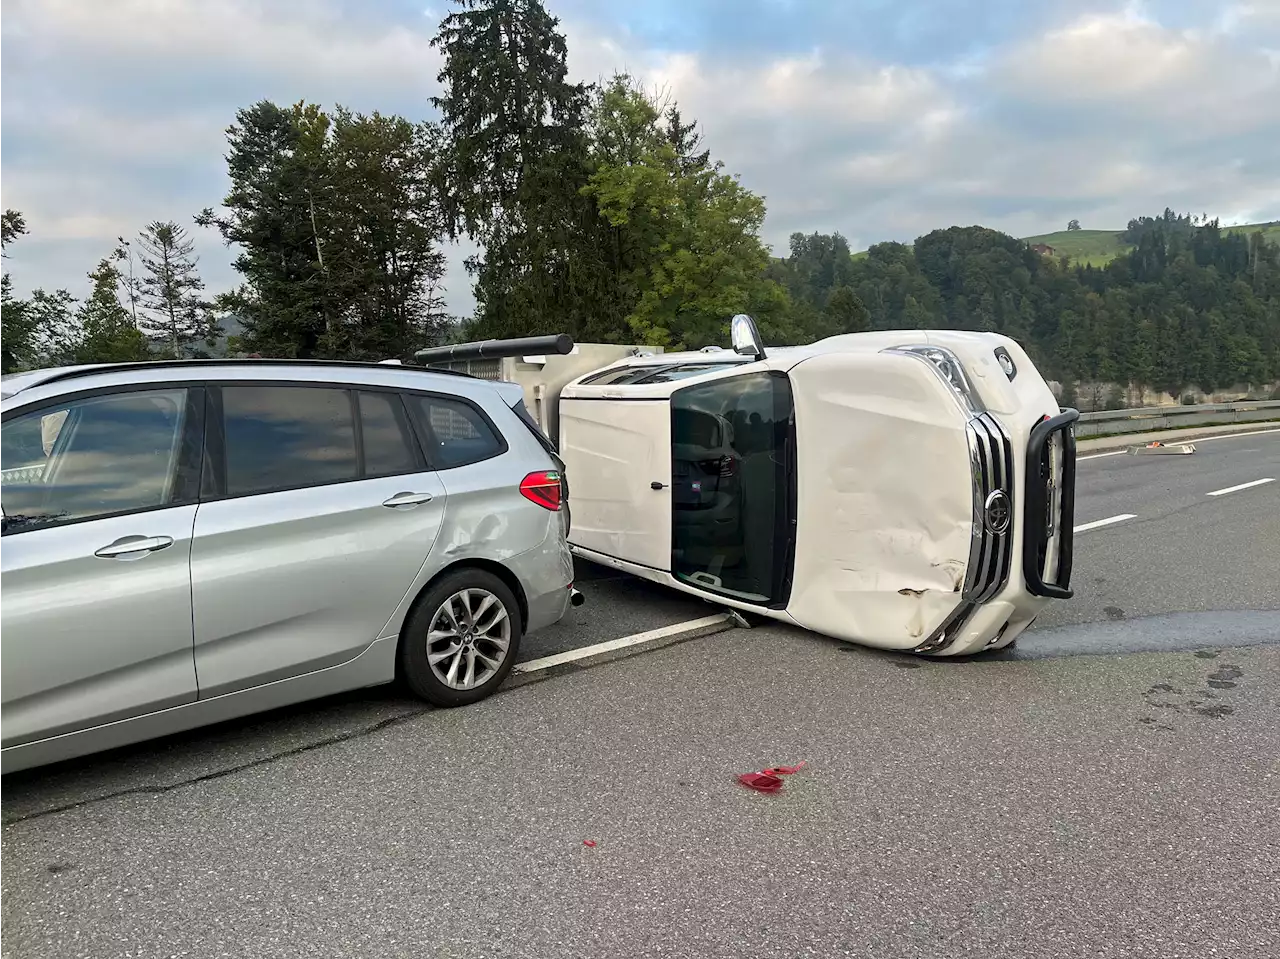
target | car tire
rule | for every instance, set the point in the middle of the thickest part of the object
(429, 655)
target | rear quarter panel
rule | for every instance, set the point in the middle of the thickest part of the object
(487, 518)
(884, 504)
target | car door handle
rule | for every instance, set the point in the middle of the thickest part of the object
(134, 547)
(407, 499)
(656, 485)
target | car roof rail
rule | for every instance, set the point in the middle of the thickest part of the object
(558, 343)
(76, 372)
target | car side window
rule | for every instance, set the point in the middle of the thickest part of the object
(286, 437)
(94, 457)
(457, 433)
(389, 447)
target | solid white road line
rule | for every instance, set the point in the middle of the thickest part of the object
(1103, 522)
(663, 632)
(1098, 456)
(1236, 489)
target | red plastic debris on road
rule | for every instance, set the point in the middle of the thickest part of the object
(589, 842)
(767, 781)
(761, 782)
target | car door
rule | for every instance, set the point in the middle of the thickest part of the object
(618, 454)
(317, 514)
(99, 506)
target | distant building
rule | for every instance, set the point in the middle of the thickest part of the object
(1043, 249)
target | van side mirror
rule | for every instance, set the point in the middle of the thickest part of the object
(746, 337)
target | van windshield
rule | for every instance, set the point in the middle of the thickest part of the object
(732, 487)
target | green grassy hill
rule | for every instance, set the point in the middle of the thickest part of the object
(1083, 246)
(1097, 247)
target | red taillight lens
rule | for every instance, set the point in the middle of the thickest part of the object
(543, 488)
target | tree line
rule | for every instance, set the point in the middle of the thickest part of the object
(599, 211)
(1188, 307)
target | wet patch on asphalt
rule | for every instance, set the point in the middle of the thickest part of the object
(1202, 703)
(1201, 633)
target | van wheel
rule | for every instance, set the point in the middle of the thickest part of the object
(462, 639)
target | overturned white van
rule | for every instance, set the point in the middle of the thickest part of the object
(909, 490)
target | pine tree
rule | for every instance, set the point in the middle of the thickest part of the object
(513, 165)
(108, 333)
(275, 214)
(175, 316)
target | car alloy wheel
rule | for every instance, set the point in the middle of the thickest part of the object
(469, 638)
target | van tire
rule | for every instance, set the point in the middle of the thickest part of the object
(474, 586)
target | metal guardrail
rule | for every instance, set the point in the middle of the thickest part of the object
(22, 475)
(1153, 418)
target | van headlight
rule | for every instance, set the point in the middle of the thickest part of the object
(947, 365)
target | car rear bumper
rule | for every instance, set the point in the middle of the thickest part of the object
(546, 577)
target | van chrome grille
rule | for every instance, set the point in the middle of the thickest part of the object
(991, 553)
(991, 549)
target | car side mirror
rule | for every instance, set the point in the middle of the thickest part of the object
(746, 337)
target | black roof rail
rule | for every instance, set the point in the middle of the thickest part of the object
(560, 343)
(71, 373)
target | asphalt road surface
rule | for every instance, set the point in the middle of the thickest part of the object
(1213, 559)
(1037, 803)
(1080, 806)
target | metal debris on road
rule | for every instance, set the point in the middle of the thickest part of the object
(1166, 449)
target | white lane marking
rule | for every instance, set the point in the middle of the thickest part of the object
(1236, 489)
(1103, 522)
(663, 632)
(1098, 456)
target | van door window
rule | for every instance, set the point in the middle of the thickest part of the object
(732, 500)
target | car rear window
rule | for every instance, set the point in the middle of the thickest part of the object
(457, 433)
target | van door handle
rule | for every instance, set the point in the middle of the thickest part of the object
(407, 499)
(134, 547)
(656, 485)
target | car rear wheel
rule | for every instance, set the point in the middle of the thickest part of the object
(462, 639)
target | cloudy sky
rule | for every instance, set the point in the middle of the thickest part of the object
(881, 119)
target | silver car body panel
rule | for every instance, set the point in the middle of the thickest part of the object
(262, 600)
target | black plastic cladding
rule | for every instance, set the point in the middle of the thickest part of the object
(1035, 534)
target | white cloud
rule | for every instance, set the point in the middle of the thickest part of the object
(119, 108)
(300, 38)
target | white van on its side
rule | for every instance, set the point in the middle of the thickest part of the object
(910, 490)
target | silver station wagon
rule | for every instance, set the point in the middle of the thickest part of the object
(188, 542)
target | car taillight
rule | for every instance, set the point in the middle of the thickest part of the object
(543, 488)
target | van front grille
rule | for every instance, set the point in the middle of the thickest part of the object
(991, 552)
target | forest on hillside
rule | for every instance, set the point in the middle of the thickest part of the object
(600, 211)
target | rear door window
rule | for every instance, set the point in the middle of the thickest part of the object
(287, 437)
